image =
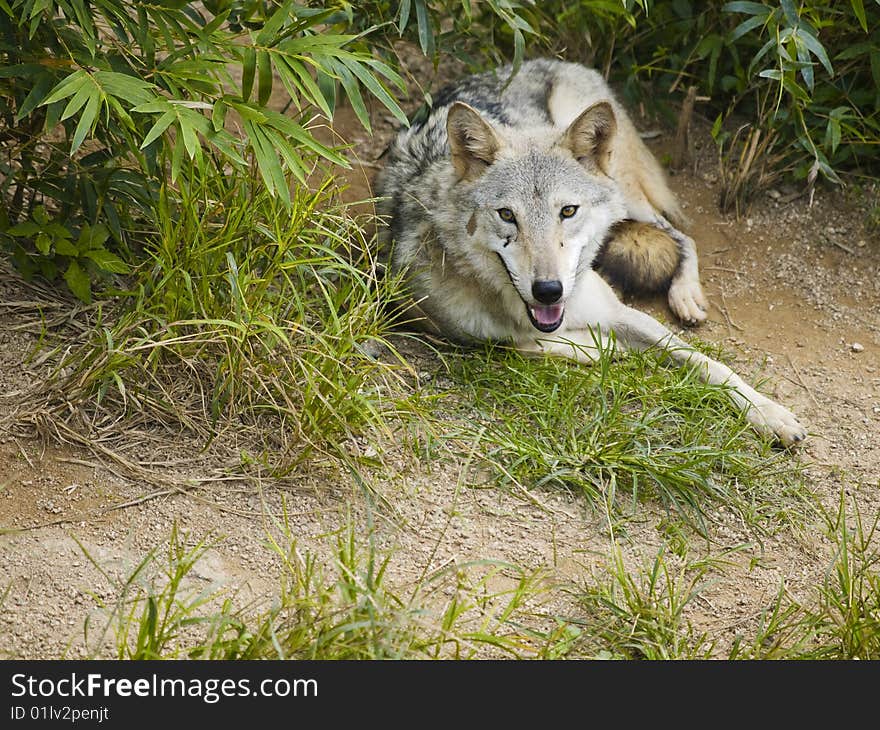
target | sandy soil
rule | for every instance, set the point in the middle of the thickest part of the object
(795, 297)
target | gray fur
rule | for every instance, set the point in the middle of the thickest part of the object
(508, 190)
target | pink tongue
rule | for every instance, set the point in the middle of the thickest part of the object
(547, 313)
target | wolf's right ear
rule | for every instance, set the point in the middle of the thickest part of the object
(589, 136)
(472, 142)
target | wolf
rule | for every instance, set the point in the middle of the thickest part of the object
(504, 200)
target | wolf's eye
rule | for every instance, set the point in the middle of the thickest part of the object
(568, 211)
(506, 214)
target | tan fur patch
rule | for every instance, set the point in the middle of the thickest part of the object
(639, 257)
(472, 224)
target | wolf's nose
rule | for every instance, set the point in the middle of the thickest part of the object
(547, 292)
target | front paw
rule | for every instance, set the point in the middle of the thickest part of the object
(687, 302)
(775, 420)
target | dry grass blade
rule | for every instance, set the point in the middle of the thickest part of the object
(748, 166)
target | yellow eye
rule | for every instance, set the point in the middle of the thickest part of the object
(506, 214)
(568, 211)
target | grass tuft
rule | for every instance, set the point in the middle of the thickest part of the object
(621, 430)
(251, 320)
(342, 608)
(641, 615)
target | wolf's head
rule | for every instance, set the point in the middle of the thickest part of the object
(541, 202)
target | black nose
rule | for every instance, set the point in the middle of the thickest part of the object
(547, 292)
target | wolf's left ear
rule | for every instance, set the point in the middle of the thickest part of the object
(472, 142)
(589, 136)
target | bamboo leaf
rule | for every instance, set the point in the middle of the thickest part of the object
(248, 70)
(291, 129)
(86, 122)
(82, 96)
(176, 158)
(806, 65)
(264, 71)
(35, 96)
(273, 25)
(190, 138)
(267, 163)
(748, 8)
(156, 131)
(763, 52)
(403, 15)
(311, 90)
(227, 144)
(377, 90)
(66, 87)
(519, 51)
(22, 70)
(859, 9)
(817, 49)
(426, 32)
(288, 154)
(327, 85)
(218, 115)
(389, 73)
(153, 107)
(131, 89)
(352, 92)
(745, 27)
(248, 112)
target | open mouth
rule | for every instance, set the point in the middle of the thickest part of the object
(546, 317)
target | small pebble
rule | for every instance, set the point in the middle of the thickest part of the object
(856, 347)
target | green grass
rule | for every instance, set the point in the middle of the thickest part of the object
(639, 612)
(847, 620)
(338, 602)
(250, 319)
(842, 619)
(343, 607)
(619, 431)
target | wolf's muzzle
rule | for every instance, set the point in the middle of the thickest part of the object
(547, 292)
(547, 313)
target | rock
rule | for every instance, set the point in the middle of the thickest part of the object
(857, 347)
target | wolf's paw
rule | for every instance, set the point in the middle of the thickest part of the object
(687, 302)
(775, 420)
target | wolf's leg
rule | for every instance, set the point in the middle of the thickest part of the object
(686, 297)
(638, 331)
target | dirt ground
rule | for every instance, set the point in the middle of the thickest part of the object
(795, 297)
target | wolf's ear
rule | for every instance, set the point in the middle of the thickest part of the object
(589, 136)
(472, 141)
